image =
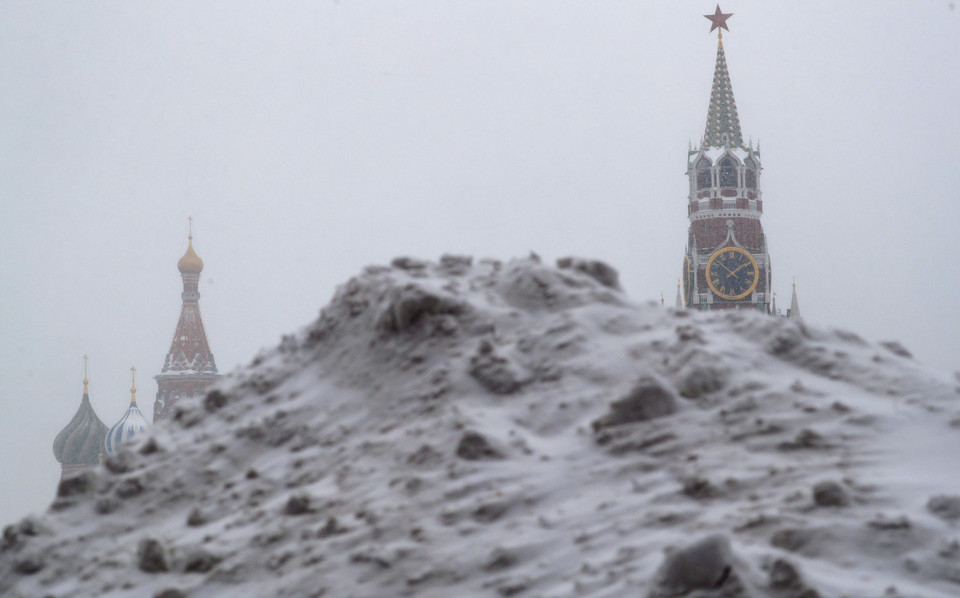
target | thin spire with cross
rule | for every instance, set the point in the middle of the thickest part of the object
(85, 381)
(133, 384)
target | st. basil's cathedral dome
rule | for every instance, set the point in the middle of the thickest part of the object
(132, 424)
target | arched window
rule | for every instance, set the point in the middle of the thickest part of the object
(751, 175)
(728, 173)
(704, 176)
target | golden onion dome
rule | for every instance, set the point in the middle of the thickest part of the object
(190, 263)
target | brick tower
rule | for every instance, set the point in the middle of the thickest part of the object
(726, 265)
(189, 367)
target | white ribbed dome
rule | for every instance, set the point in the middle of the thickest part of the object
(132, 424)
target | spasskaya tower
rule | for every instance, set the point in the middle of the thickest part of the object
(726, 265)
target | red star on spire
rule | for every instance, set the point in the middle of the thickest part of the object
(719, 19)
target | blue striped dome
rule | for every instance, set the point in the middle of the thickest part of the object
(130, 425)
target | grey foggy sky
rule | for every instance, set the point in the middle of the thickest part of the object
(309, 139)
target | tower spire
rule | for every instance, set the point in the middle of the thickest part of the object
(794, 304)
(189, 366)
(85, 381)
(723, 123)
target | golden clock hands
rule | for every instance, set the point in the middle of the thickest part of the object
(737, 269)
(725, 268)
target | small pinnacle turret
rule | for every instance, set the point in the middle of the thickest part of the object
(795, 305)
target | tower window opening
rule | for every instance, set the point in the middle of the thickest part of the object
(704, 176)
(728, 173)
(750, 175)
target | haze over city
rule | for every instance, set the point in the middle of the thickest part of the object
(308, 140)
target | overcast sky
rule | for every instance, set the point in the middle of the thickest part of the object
(309, 139)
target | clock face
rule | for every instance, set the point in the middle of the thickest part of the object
(732, 273)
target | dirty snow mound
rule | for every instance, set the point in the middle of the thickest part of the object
(468, 428)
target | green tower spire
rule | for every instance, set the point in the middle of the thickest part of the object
(723, 124)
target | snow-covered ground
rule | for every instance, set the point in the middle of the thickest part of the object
(468, 428)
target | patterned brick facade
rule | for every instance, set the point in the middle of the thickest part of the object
(726, 265)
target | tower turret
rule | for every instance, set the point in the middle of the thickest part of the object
(726, 265)
(189, 367)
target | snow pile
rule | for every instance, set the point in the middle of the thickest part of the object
(487, 429)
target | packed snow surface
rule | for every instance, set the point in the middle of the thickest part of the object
(468, 428)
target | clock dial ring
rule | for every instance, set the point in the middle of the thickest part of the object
(732, 273)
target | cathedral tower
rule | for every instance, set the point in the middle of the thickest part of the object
(726, 265)
(189, 367)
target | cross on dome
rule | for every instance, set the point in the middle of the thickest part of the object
(78, 445)
(190, 263)
(133, 384)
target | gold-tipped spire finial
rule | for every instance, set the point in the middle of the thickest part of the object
(133, 384)
(85, 381)
(190, 263)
